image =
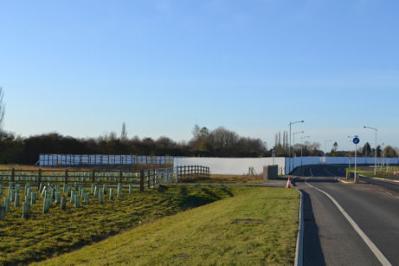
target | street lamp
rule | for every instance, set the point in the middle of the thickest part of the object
(289, 147)
(382, 162)
(303, 144)
(376, 143)
(293, 138)
(296, 133)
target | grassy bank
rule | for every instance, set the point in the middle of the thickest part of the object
(45, 235)
(227, 179)
(256, 227)
(388, 172)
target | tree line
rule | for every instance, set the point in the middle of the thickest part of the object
(219, 142)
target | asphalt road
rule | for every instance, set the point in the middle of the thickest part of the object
(330, 239)
(386, 184)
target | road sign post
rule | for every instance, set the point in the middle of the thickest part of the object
(355, 177)
(356, 141)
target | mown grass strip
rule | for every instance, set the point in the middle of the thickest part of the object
(256, 227)
(387, 172)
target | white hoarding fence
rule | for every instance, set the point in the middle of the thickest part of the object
(232, 166)
(242, 166)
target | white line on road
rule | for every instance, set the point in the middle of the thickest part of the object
(384, 261)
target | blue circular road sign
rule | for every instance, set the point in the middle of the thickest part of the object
(356, 140)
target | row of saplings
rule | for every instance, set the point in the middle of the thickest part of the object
(53, 195)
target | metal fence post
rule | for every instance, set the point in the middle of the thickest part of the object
(39, 177)
(66, 176)
(13, 174)
(93, 176)
(149, 179)
(141, 180)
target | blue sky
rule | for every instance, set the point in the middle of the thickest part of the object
(82, 68)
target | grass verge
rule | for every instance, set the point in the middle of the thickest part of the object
(256, 227)
(45, 235)
(388, 172)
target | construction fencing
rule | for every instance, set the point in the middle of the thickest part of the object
(191, 172)
(220, 166)
(140, 179)
(71, 160)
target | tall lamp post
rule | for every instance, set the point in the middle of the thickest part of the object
(289, 147)
(293, 142)
(376, 144)
(382, 162)
(295, 134)
(303, 144)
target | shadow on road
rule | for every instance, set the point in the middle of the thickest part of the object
(316, 180)
(313, 254)
(320, 170)
(389, 186)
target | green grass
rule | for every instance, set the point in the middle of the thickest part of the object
(258, 226)
(226, 179)
(390, 172)
(46, 235)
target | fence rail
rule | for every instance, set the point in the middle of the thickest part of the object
(65, 160)
(145, 178)
(188, 172)
(142, 179)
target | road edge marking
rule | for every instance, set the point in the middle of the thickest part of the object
(377, 253)
(301, 232)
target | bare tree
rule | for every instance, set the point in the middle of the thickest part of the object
(222, 138)
(390, 151)
(124, 132)
(286, 143)
(196, 131)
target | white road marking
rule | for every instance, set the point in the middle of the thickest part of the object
(379, 255)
